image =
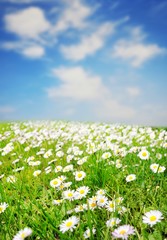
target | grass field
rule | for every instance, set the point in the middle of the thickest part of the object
(70, 180)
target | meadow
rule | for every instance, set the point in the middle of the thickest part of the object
(75, 181)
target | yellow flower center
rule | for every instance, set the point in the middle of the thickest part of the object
(68, 224)
(55, 182)
(79, 175)
(102, 200)
(153, 218)
(144, 154)
(122, 232)
(82, 191)
(130, 177)
(111, 205)
(113, 223)
(1, 209)
(23, 235)
(70, 194)
(93, 204)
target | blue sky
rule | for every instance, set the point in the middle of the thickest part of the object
(96, 60)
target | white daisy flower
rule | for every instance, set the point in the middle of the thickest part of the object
(111, 206)
(154, 167)
(81, 192)
(101, 192)
(152, 217)
(144, 154)
(92, 204)
(101, 201)
(106, 155)
(87, 233)
(22, 234)
(79, 175)
(11, 179)
(81, 208)
(69, 195)
(123, 232)
(68, 168)
(55, 182)
(58, 169)
(161, 169)
(112, 222)
(36, 173)
(69, 224)
(130, 177)
(57, 202)
(3, 207)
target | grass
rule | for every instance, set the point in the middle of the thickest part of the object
(30, 198)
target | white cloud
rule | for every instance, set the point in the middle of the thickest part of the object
(110, 109)
(6, 109)
(135, 50)
(34, 52)
(89, 44)
(27, 23)
(133, 91)
(26, 48)
(74, 15)
(77, 84)
(80, 87)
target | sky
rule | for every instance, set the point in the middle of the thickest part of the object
(84, 60)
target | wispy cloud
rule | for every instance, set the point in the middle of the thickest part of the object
(159, 7)
(80, 86)
(133, 91)
(73, 15)
(34, 51)
(6, 109)
(135, 50)
(77, 84)
(88, 44)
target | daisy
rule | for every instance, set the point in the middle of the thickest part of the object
(92, 204)
(69, 195)
(69, 224)
(106, 155)
(58, 169)
(3, 207)
(123, 232)
(112, 222)
(22, 234)
(101, 201)
(57, 202)
(81, 192)
(161, 169)
(130, 177)
(87, 233)
(68, 168)
(119, 200)
(81, 208)
(79, 175)
(152, 217)
(36, 173)
(111, 206)
(154, 167)
(144, 154)
(101, 192)
(55, 182)
(11, 179)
